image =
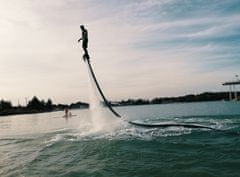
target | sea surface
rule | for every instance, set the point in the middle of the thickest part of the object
(50, 145)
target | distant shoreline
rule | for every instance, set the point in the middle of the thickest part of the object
(202, 97)
(36, 106)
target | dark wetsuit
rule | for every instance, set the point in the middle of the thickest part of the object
(85, 39)
(85, 44)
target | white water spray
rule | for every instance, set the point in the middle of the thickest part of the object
(102, 120)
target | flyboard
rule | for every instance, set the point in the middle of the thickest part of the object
(145, 125)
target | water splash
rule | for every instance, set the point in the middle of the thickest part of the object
(101, 119)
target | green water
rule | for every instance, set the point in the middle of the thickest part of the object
(49, 145)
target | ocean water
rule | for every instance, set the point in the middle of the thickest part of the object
(49, 145)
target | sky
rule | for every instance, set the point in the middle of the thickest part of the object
(138, 48)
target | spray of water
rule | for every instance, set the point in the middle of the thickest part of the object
(101, 119)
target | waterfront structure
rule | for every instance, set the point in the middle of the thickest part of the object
(233, 93)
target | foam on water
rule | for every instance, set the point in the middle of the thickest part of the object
(122, 132)
(101, 119)
(101, 127)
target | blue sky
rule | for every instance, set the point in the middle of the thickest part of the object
(139, 49)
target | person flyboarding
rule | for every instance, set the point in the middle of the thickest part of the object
(84, 39)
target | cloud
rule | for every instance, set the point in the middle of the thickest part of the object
(141, 48)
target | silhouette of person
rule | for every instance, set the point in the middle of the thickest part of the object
(66, 112)
(84, 39)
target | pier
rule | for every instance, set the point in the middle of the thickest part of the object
(233, 93)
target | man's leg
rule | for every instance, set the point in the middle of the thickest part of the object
(84, 57)
(86, 53)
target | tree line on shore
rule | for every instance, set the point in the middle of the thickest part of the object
(206, 96)
(35, 105)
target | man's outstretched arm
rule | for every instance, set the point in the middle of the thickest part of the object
(79, 39)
